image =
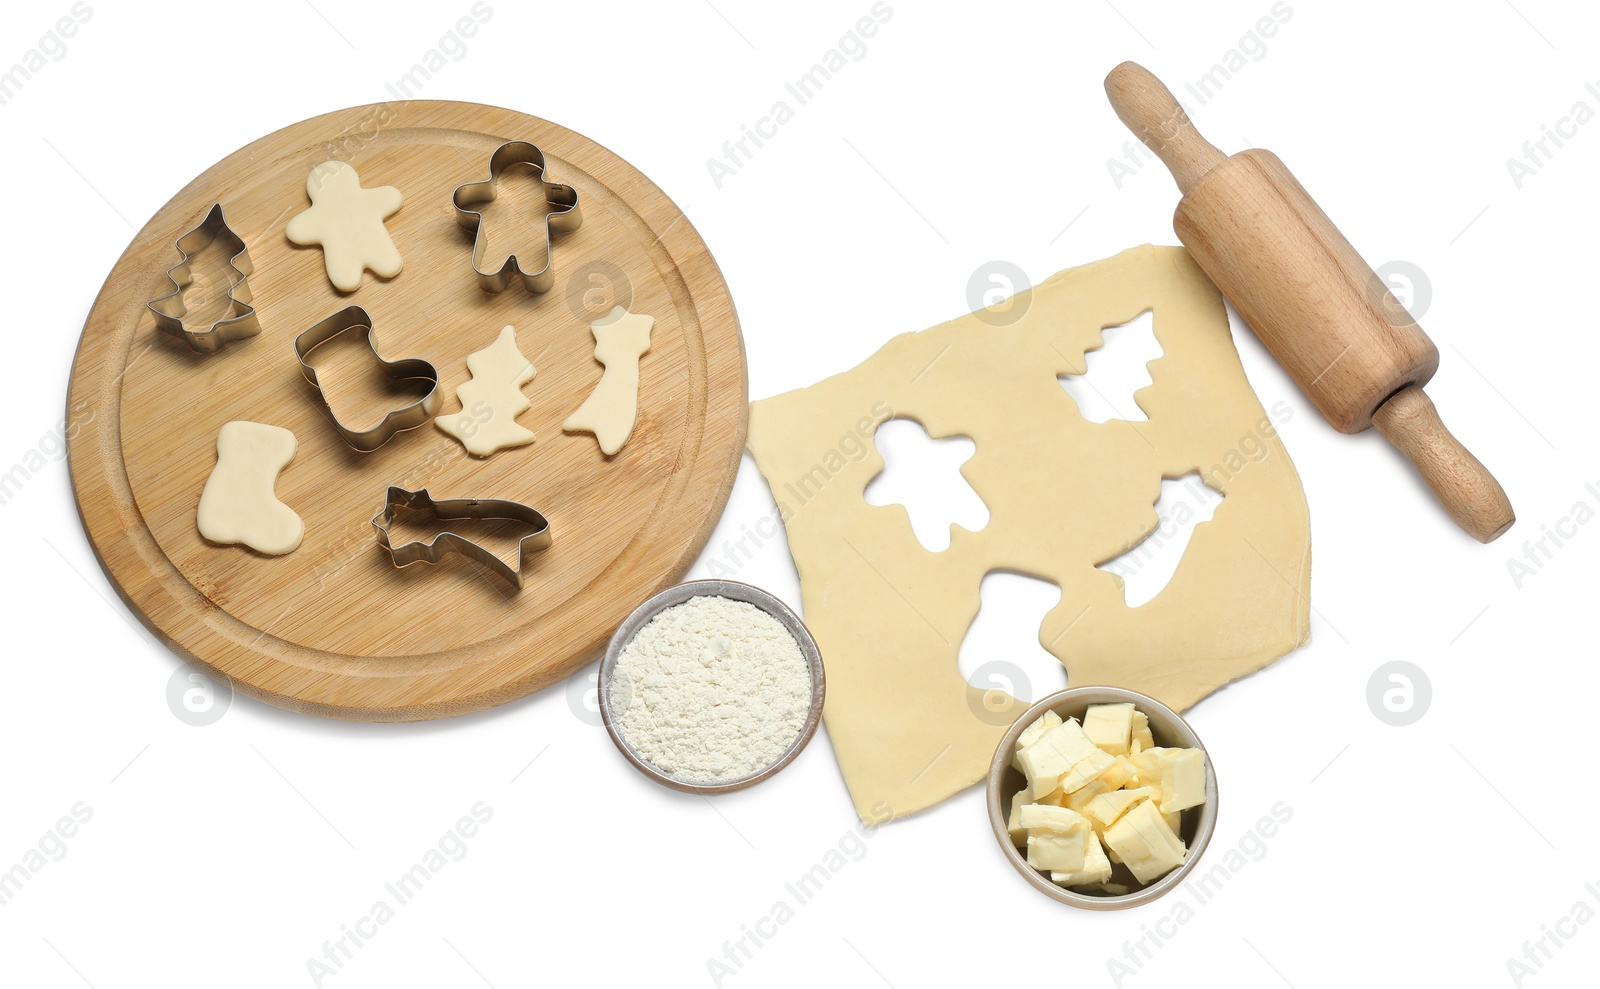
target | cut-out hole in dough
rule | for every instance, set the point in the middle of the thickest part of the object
(1116, 369)
(1002, 649)
(924, 475)
(1149, 564)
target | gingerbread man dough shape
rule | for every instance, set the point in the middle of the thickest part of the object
(620, 339)
(238, 504)
(347, 221)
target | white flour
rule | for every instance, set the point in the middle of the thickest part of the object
(711, 690)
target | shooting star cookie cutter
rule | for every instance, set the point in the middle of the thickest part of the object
(398, 420)
(445, 543)
(563, 216)
(170, 309)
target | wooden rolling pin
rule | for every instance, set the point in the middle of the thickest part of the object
(1319, 308)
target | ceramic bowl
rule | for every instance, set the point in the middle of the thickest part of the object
(737, 592)
(1197, 823)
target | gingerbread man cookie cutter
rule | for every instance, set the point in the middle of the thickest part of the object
(564, 216)
(408, 416)
(445, 543)
(170, 310)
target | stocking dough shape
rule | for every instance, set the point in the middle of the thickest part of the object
(238, 504)
(620, 339)
(491, 401)
(1063, 494)
(347, 221)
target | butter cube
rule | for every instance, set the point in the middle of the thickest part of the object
(1104, 809)
(1019, 834)
(1081, 797)
(1056, 852)
(1147, 846)
(1096, 867)
(1114, 778)
(1043, 818)
(1140, 731)
(1086, 771)
(1055, 798)
(1183, 780)
(1062, 758)
(1057, 837)
(1110, 726)
(1147, 766)
(1033, 733)
(1121, 772)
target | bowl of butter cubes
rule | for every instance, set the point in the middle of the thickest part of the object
(1102, 798)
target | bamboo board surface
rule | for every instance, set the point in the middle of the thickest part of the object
(333, 628)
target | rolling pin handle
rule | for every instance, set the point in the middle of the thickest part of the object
(1156, 118)
(1466, 489)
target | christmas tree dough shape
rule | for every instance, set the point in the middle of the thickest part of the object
(347, 221)
(238, 504)
(491, 401)
(620, 339)
(1063, 494)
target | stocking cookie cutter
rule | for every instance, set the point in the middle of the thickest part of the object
(169, 310)
(564, 217)
(445, 543)
(397, 420)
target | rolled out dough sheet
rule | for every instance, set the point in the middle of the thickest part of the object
(1063, 493)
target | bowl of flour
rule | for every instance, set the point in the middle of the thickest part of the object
(711, 686)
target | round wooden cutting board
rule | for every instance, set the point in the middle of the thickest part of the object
(333, 628)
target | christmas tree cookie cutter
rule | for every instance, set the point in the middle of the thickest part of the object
(445, 543)
(398, 420)
(169, 310)
(564, 216)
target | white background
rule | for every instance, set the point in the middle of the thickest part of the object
(228, 854)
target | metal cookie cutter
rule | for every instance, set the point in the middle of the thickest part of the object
(170, 309)
(563, 217)
(397, 420)
(445, 543)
